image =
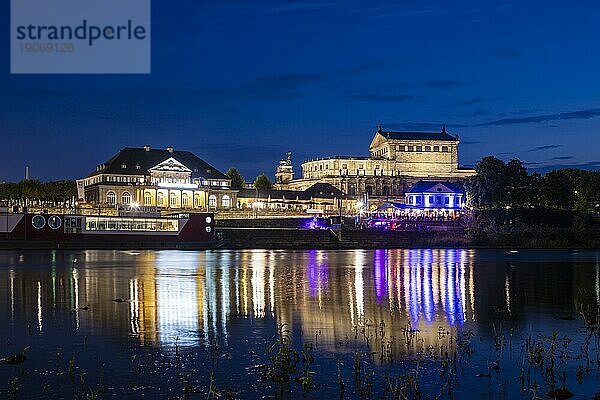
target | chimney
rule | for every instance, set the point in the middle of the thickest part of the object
(170, 149)
(147, 147)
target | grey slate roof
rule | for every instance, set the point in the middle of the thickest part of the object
(132, 157)
(419, 136)
(425, 186)
(318, 190)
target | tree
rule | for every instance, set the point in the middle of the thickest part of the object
(558, 189)
(499, 184)
(237, 180)
(262, 182)
(587, 192)
(36, 190)
(518, 190)
(486, 189)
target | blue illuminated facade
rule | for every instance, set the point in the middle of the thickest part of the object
(436, 195)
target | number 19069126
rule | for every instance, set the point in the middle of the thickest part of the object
(47, 47)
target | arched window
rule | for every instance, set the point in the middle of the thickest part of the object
(126, 198)
(225, 201)
(147, 199)
(173, 200)
(184, 200)
(160, 200)
(197, 200)
(111, 198)
(212, 201)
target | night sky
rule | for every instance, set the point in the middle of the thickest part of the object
(239, 83)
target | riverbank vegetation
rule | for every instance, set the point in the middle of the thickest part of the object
(34, 190)
(511, 207)
(504, 361)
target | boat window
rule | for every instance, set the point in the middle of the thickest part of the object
(131, 224)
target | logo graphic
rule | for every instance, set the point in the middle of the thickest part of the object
(80, 36)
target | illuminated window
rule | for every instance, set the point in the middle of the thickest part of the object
(111, 198)
(147, 199)
(225, 201)
(160, 199)
(123, 166)
(173, 200)
(212, 200)
(197, 200)
(125, 198)
(184, 200)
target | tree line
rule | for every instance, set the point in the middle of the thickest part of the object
(261, 182)
(36, 190)
(508, 185)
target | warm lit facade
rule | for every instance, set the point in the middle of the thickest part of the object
(397, 161)
(166, 179)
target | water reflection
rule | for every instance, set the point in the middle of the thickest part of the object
(190, 297)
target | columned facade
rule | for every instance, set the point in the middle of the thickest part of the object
(165, 179)
(397, 161)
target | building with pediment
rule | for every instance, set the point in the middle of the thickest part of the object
(165, 179)
(396, 162)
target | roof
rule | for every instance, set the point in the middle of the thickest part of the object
(340, 158)
(316, 191)
(443, 135)
(131, 157)
(426, 186)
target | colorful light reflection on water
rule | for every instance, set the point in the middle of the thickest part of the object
(239, 298)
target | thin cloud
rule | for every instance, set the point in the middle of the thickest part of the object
(592, 165)
(532, 163)
(377, 98)
(545, 147)
(420, 126)
(536, 119)
(444, 84)
(562, 158)
(470, 102)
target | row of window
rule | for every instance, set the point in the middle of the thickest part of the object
(124, 166)
(435, 200)
(124, 179)
(420, 148)
(111, 198)
(128, 224)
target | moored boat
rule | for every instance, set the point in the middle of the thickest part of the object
(73, 231)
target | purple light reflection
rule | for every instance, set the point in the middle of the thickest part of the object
(380, 263)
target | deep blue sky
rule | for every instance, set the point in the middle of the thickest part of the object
(241, 82)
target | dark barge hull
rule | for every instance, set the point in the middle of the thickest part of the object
(196, 232)
(103, 245)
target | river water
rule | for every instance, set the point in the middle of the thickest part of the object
(360, 323)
